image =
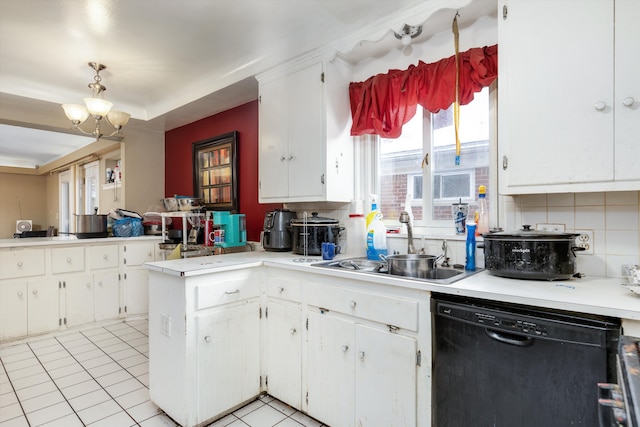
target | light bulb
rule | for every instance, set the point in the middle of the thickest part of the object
(406, 40)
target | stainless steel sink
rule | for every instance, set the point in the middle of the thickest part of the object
(440, 275)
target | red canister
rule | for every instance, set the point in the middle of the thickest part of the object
(208, 232)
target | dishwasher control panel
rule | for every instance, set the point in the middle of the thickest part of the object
(517, 323)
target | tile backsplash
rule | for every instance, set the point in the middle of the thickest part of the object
(614, 218)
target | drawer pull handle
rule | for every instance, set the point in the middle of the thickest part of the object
(345, 348)
(281, 289)
(69, 260)
(237, 291)
(600, 106)
(105, 256)
(207, 339)
(361, 354)
(293, 331)
(19, 263)
(628, 102)
(100, 283)
(35, 292)
(352, 304)
(20, 294)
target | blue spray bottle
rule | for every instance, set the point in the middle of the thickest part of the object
(470, 263)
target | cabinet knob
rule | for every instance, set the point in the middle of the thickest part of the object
(88, 285)
(69, 260)
(281, 289)
(352, 304)
(19, 263)
(628, 102)
(207, 339)
(100, 283)
(292, 330)
(599, 106)
(291, 157)
(345, 348)
(283, 158)
(105, 256)
(20, 294)
(361, 354)
(35, 292)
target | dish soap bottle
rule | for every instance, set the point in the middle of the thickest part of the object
(376, 232)
(482, 214)
(470, 247)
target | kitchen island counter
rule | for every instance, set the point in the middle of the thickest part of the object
(594, 295)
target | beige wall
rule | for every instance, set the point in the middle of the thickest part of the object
(22, 197)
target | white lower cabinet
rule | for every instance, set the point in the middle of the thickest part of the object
(106, 294)
(385, 378)
(284, 352)
(43, 303)
(13, 308)
(331, 369)
(136, 277)
(228, 345)
(79, 299)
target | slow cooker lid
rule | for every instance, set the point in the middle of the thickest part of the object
(527, 233)
(314, 219)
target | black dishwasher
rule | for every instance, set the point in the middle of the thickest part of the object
(507, 365)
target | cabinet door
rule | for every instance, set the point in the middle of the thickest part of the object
(330, 369)
(13, 309)
(386, 372)
(106, 295)
(307, 155)
(627, 98)
(284, 353)
(136, 291)
(43, 306)
(137, 253)
(556, 71)
(273, 150)
(228, 358)
(79, 299)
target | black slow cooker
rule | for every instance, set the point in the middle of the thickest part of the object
(531, 254)
(312, 231)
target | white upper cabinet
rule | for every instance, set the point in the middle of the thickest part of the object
(566, 75)
(305, 151)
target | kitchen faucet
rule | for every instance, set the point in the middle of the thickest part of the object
(405, 219)
(445, 248)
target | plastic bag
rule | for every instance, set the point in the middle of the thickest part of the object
(128, 227)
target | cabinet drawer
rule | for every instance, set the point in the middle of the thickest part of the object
(385, 309)
(225, 292)
(287, 289)
(103, 256)
(21, 262)
(65, 260)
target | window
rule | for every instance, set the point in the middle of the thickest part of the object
(419, 167)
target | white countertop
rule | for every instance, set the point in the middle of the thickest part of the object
(67, 240)
(595, 295)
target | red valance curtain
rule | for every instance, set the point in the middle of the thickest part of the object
(383, 103)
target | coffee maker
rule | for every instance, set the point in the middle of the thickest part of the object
(233, 229)
(276, 235)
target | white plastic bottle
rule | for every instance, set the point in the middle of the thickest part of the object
(482, 214)
(356, 235)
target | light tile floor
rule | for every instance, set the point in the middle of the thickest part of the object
(99, 377)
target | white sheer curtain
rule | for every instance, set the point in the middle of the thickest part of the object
(366, 168)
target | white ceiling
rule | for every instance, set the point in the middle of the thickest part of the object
(170, 62)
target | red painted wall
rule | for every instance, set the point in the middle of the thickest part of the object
(179, 168)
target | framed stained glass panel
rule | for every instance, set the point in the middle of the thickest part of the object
(215, 172)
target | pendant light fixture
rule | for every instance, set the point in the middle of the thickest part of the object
(97, 107)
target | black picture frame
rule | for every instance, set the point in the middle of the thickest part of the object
(215, 172)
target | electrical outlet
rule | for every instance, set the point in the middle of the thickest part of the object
(585, 240)
(550, 227)
(165, 324)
